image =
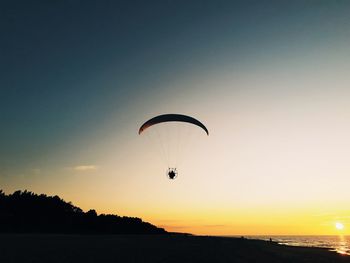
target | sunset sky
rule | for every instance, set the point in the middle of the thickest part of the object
(270, 80)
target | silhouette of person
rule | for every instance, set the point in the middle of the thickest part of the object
(172, 173)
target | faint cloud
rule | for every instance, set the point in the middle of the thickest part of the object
(174, 227)
(214, 225)
(170, 221)
(84, 168)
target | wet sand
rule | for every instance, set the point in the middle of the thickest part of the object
(147, 248)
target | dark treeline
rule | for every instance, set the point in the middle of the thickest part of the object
(27, 212)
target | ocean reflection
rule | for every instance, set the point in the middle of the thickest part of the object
(343, 246)
(340, 244)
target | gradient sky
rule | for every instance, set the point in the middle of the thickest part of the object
(270, 79)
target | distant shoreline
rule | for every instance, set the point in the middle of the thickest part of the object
(307, 241)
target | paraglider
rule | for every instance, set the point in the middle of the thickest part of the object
(172, 117)
(171, 138)
(172, 173)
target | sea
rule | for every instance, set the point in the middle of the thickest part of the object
(340, 244)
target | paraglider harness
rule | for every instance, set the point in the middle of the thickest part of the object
(171, 173)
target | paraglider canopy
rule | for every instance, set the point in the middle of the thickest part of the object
(170, 132)
(172, 118)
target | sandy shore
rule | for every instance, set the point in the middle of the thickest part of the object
(144, 248)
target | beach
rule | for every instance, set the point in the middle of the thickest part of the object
(153, 248)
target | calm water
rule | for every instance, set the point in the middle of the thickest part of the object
(341, 244)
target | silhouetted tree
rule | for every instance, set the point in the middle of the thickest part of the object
(25, 211)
